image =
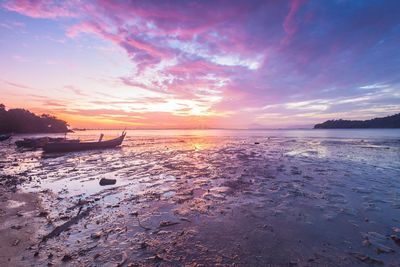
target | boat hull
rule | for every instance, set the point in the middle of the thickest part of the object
(39, 142)
(72, 147)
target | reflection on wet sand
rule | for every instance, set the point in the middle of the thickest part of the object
(210, 200)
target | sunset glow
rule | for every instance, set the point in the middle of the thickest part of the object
(200, 64)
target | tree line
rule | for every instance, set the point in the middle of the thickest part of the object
(23, 121)
(386, 122)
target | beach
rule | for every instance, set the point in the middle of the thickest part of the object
(206, 198)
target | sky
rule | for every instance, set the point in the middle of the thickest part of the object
(201, 64)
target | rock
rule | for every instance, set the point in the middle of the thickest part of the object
(256, 143)
(396, 239)
(105, 181)
(167, 223)
(43, 214)
(384, 249)
(184, 219)
(122, 259)
(96, 235)
(16, 242)
(155, 258)
(64, 217)
(143, 245)
(367, 259)
(134, 213)
(66, 258)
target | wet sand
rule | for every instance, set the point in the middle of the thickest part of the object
(206, 201)
(18, 226)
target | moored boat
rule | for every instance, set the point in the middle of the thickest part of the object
(40, 142)
(78, 146)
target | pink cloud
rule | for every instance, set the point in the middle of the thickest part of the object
(289, 25)
(242, 53)
(41, 8)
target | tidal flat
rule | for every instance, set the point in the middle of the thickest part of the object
(205, 199)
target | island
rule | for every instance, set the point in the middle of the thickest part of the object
(386, 122)
(23, 121)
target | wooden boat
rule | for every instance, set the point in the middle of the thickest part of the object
(78, 146)
(4, 137)
(40, 142)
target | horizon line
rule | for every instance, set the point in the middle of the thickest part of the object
(141, 129)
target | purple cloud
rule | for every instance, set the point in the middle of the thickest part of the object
(242, 55)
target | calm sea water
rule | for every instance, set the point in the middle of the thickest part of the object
(300, 133)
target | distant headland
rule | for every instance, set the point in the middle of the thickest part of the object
(386, 122)
(23, 121)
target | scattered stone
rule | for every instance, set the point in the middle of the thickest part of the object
(367, 259)
(164, 232)
(155, 258)
(184, 219)
(134, 213)
(96, 235)
(122, 259)
(43, 214)
(167, 223)
(256, 143)
(66, 258)
(384, 249)
(396, 239)
(105, 181)
(16, 227)
(64, 218)
(366, 242)
(143, 245)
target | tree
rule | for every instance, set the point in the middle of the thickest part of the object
(24, 121)
(386, 122)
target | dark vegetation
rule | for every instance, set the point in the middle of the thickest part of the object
(386, 122)
(23, 121)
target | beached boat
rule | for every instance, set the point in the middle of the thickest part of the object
(4, 137)
(78, 146)
(40, 142)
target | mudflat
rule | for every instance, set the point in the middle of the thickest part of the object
(18, 226)
(204, 201)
